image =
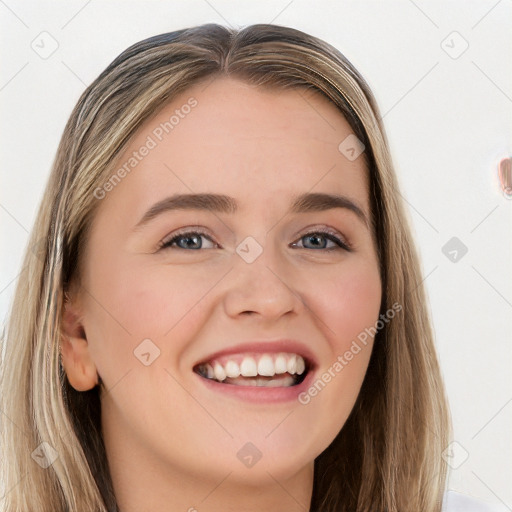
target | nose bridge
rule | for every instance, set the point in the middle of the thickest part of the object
(258, 283)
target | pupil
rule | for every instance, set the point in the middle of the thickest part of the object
(315, 237)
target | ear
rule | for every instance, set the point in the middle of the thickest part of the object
(74, 348)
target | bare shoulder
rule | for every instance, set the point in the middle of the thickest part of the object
(457, 502)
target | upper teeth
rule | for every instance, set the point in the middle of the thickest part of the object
(268, 365)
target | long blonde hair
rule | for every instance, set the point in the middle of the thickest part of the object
(388, 455)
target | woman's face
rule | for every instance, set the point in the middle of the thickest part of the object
(259, 280)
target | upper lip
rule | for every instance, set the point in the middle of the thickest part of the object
(266, 347)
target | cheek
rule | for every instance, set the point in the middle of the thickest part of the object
(134, 302)
(348, 307)
(348, 301)
(159, 300)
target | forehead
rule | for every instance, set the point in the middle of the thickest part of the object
(259, 145)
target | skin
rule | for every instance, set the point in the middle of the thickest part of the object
(171, 442)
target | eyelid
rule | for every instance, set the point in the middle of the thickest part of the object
(184, 231)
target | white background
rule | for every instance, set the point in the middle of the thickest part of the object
(448, 122)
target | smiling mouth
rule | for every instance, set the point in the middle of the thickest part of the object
(267, 370)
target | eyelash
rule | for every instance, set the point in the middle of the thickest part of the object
(330, 235)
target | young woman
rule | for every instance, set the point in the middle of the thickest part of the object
(221, 306)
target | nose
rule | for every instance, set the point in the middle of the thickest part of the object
(264, 287)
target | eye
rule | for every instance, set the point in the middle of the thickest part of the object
(192, 240)
(316, 238)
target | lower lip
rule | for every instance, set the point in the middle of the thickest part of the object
(260, 394)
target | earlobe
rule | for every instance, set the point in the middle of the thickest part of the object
(75, 354)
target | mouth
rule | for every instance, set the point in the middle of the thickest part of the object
(263, 370)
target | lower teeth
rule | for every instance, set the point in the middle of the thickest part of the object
(269, 382)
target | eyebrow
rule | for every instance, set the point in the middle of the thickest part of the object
(219, 203)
